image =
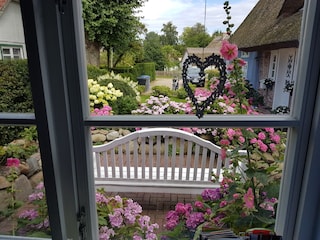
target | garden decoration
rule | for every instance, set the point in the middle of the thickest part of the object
(213, 60)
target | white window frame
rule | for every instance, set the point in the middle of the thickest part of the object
(11, 54)
(55, 42)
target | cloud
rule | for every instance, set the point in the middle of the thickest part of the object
(186, 13)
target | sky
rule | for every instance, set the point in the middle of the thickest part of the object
(186, 13)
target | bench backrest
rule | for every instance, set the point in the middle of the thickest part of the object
(160, 156)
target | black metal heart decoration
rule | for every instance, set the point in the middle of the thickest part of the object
(212, 60)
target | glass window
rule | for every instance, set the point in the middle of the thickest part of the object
(64, 123)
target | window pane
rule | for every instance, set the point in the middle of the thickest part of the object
(175, 163)
(23, 203)
(6, 51)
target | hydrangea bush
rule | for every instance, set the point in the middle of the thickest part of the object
(134, 85)
(100, 95)
(118, 218)
(121, 218)
(162, 105)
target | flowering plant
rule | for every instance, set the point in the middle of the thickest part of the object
(11, 177)
(35, 221)
(100, 95)
(132, 84)
(162, 105)
(268, 82)
(247, 195)
(288, 87)
(121, 218)
(182, 222)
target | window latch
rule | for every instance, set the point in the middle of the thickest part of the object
(81, 217)
(61, 5)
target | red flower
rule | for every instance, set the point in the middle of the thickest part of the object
(13, 162)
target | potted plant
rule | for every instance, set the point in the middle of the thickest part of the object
(269, 83)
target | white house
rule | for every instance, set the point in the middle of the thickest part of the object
(12, 43)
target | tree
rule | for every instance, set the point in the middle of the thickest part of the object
(195, 36)
(152, 50)
(112, 25)
(171, 56)
(170, 34)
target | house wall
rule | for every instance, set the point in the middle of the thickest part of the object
(11, 28)
(251, 68)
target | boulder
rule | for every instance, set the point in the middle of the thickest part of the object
(112, 135)
(23, 188)
(98, 137)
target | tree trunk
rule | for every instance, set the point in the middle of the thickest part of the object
(93, 53)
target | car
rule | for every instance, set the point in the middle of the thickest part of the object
(193, 76)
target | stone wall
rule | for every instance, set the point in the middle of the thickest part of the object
(29, 175)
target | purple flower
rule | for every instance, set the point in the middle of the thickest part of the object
(194, 220)
(105, 233)
(29, 214)
(36, 196)
(183, 208)
(171, 224)
(100, 198)
(211, 194)
(116, 218)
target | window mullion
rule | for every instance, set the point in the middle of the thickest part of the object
(48, 81)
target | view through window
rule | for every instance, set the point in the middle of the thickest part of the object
(130, 127)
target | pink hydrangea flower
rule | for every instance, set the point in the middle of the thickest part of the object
(272, 147)
(253, 140)
(224, 142)
(231, 132)
(241, 139)
(261, 136)
(275, 138)
(229, 51)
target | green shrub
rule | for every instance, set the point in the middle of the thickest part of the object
(161, 90)
(15, 92)
(94, 72)
(212, 73)
(124, 105)
(21, 149)
(129, 100)
(181, 93)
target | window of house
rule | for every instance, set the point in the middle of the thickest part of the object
(244, 54)
(62, 117)
(11, 52)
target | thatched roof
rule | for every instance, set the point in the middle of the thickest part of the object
(272, 24)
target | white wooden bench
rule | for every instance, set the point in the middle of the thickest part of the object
(157, 160)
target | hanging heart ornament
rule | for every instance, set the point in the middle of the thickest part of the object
(211, 61)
